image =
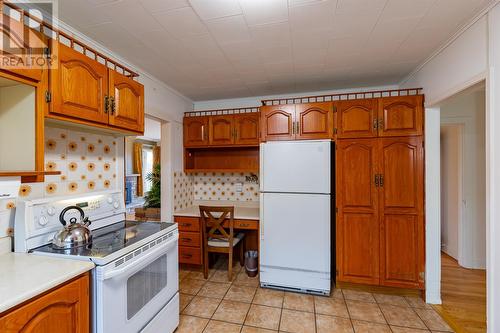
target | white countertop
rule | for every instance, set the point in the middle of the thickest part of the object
(24, 276)
(244, 210)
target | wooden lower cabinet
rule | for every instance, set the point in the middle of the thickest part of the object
(63, 310)
(380, 220)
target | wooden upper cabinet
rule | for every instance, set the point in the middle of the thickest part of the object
(401, 209)
(357, 220)
(126, 108)
(65, 309)
(247, 129)
(195, 131)
(357, 118)
(314, 121)
(221, 130)
(401, 116)
(277, 122)
(17, 43)
(79, 85)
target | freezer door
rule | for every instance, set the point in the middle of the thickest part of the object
(295, 166)
(295, 232)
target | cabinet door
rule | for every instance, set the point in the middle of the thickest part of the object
(401, 116)
(401, 208)
(221, 130)
(315, 121)
(277, 122)
(78, 86)
(357, 118)
(247, 129)
(127, 102)
(195, 131)
(18, 43)
(65, 309)
(357, 219)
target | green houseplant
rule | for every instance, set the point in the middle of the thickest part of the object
(152, 204)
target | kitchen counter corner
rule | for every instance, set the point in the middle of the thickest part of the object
(25, 276)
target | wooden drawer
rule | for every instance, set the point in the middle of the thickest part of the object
(187, 223)
(246, 224)
(190, 255)
(191, 239)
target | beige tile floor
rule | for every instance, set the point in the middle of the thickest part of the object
(241, 306)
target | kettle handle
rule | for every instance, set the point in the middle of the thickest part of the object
(63, 212)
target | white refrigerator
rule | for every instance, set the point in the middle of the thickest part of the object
(295, 215)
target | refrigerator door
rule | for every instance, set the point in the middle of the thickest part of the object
(295, 166)
(295, 241)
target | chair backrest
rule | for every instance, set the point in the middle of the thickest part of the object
(212, 219)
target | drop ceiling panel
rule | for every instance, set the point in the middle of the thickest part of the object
(210, 49)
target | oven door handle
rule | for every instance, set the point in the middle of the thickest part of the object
(144, 260)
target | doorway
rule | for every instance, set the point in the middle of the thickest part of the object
(463, 210)
(143, 173)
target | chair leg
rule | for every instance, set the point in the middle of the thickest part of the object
(242, 253)
(230, 266)
(206, 263)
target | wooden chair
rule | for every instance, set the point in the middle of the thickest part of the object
(217, 225)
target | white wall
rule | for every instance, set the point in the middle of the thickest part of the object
(468, 108)
(256, 100)
(473, 56)
(451, 179)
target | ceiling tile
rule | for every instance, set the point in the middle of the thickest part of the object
(210, 9)
(397, 29)
(397, 9)
(316, 16)
(154, 6)
(353, 5)
(345, 26)
(271, 35)
(181, 23)
(264, 11)
(228, 30)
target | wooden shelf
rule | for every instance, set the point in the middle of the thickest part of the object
(221, 159)
(28, 176)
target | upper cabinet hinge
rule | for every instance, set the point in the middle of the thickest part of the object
(46, 52)
(48, 96)
(422, 276)
(335, 131)
(334, 108)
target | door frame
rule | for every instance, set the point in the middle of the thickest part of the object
(460, 123)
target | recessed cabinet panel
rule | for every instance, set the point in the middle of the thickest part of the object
(195, 131)
(79, 85)
(221, 130)
(126, 104)
(247, 129)
(401, 116)
(277, 122)
(357, 118)
(315, 121)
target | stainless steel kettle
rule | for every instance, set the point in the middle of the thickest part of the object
(75, 233)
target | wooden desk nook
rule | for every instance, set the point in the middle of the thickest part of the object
(190, 235)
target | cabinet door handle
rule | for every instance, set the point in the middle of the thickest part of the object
(380, 124)
(381, 180)
(297, 130)
(106, 103)
(203, 132)
(375, 124)
(377, 180)
(113, 105)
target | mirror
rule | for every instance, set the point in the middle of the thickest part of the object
(17, 126)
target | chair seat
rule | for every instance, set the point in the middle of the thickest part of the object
(217, 242)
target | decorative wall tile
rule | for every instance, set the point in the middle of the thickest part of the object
(183, 190)
(223, 186)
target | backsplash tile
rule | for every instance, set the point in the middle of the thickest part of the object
(224, 186)
(87, 161)
(183, 190)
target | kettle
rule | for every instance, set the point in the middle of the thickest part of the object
(75, 233)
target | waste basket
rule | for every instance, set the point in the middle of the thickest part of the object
(251, 263)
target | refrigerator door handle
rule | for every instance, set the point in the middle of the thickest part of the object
(261, 217)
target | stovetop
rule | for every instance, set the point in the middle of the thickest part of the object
(110, 239)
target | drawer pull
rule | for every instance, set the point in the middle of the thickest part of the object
(187, 256)
(185, 224)
(186, 239)
(244, 225)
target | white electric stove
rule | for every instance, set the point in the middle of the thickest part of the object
(135, 283)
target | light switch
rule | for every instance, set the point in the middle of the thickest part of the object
(239, 187)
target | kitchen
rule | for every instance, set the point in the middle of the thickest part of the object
(298, 207)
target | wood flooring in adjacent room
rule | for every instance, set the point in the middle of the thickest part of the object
(463, 293)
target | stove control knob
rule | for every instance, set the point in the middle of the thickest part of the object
(43, 220)
(116, 204)
(51, 211)
(110, 200)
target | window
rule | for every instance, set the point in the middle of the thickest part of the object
(147, 166)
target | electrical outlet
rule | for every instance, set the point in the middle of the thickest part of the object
(239, 187)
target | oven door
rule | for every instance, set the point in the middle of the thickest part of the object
(128, 295)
